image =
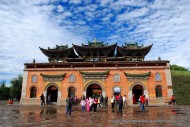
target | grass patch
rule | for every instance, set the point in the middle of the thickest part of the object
(181, 86)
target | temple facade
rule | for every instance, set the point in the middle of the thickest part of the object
(94, 69)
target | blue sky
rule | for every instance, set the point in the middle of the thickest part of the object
(26, 25)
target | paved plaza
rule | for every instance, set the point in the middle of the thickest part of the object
(54, 116)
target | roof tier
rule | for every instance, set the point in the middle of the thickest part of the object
(95, 50)
(59, 53)
(132, 50)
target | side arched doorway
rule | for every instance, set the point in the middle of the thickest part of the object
(53, 91)
(93, 89)
(137, 91)
(71, 92)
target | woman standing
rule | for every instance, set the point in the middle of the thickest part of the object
(112, 102)
(88, 105)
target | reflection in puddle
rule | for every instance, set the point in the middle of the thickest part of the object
(48, 110)
(177, 111)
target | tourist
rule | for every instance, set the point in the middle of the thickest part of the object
(88, 105)
(124, 100)
(101, 99)
(95, 102)
(42, 99)
(112, 102)
(49, 99)
(70, 105)
(142, 99)
(98, 103)
(67, 104)
(173, 101)
(76, 100)
(91, 103)
(146, 101)
(134, 99)
(120, 103)
(83, 103)
(106, 101)
(117, 98)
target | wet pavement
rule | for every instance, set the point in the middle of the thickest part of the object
(51, 116)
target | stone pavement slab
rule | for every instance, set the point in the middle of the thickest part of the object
(54, 116)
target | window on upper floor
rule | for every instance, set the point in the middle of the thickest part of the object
(34, 78)
(158, 77)
(116, 78)
(72, 78)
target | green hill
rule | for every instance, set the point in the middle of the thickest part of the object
(181, 86)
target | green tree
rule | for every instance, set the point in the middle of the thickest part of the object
(16, 87)
(4, 91)
(178, 68)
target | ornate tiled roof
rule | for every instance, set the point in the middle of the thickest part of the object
(96, 51)
(59, 52)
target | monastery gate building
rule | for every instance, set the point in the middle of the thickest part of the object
(96, 69)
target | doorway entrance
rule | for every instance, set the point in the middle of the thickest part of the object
(93, 90)
(54, 93)
(71, 92)
(137, 91)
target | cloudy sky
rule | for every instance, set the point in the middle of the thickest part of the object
(26, 25)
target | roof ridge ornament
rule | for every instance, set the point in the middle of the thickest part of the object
(95, 41)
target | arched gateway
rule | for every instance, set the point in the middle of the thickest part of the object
(137, 91)
(52, 89)
(94, 88)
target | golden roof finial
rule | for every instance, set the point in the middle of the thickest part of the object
(95, 40)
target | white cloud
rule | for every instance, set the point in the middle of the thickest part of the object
(133, 14)
(75, 1)
(60, 8)
(25, 27)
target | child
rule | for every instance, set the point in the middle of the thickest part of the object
(83, 103)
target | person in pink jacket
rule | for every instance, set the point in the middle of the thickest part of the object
(88, 105)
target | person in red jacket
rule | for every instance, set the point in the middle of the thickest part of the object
(142, 99)
(173, 101)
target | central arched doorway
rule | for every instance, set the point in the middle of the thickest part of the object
(53, 91)
(137, 91)
(93, 89)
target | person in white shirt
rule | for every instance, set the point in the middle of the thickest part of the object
(124, 100)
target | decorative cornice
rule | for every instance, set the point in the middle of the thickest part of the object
(94, 73)
(138, 75)
(53, 78)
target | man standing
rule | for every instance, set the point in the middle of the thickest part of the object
(120, 102)
(67, 104)
(106, 101)
(49, 99)
(101, 99)
(70, 105)
(42, 99)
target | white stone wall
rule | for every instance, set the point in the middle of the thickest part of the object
(169, 81)
(24, 85)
